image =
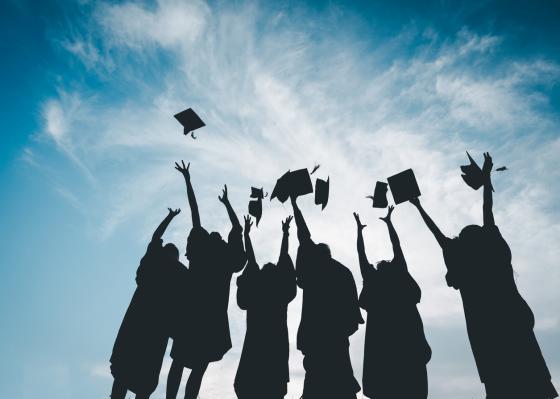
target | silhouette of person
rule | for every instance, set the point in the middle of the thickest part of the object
(265, 295)
(142, 338)
(204, 334)
(499, 321)
(330, 314)
(396, 350)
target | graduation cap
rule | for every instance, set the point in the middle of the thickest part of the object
(322, 192)
(190, 121)
(379, 197)
(294, 183)
(472, 174)
(257, 193)
(255, 209)
(403, 186)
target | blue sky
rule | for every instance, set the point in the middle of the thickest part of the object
(88, 142)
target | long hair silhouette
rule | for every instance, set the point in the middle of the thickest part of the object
(396, 350)
(203, 334)
(142, 339)
(499, 321)
(265, 294)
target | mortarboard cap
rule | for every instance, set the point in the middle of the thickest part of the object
(379, 197)
(472, 174)
(255, 209)
(257, 193)
(190, 121)
(322, 192)
(403, 186)
(294, 183)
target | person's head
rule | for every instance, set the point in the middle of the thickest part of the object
(382, 265)
(268, 267)
(171, 251)
(197, 241)
(216, 238)
(471, 237)
(323, 252)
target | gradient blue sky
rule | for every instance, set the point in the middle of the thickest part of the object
(88, 142)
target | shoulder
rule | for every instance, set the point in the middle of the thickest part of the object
(342, 271)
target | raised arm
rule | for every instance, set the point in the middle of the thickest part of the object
(158, 234)
(237, 254)
(304, 236)
(397, 250)
(190, 192)
(251, 260)
(231, 213)
(285, 237)
(365, 266)
(487, 214)
(440, 237)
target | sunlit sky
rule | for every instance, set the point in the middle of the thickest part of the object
(88, 142)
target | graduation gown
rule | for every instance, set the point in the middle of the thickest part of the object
(203, 335)
(396, 350)
(330, 314)
(265, 294)
(142, 338)
(499, 321)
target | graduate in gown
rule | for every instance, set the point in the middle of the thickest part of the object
(499, 321)
(142, 339)
(203, 327)
(330, 314)
(265, 294)
(396, 351)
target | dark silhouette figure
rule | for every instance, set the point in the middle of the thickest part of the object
(396, 350)
(499, 321)
(330, 314)
(142, 339)
(265, 294)
(204, 335)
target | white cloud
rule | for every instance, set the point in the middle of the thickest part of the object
(168, 23)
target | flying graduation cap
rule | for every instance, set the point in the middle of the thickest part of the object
(472, 174)
(403, 186)
(294, 183)
(255, 205)
(190, 121)
(379, 197)
(255, 209)
(322, 192)
(258, 193)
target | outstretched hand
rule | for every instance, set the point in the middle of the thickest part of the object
(488, 164)
(224, 198)
(248, 224)
(358, 223)
(387, 218)
(286, 224)
(175, 212)
(183, 169)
